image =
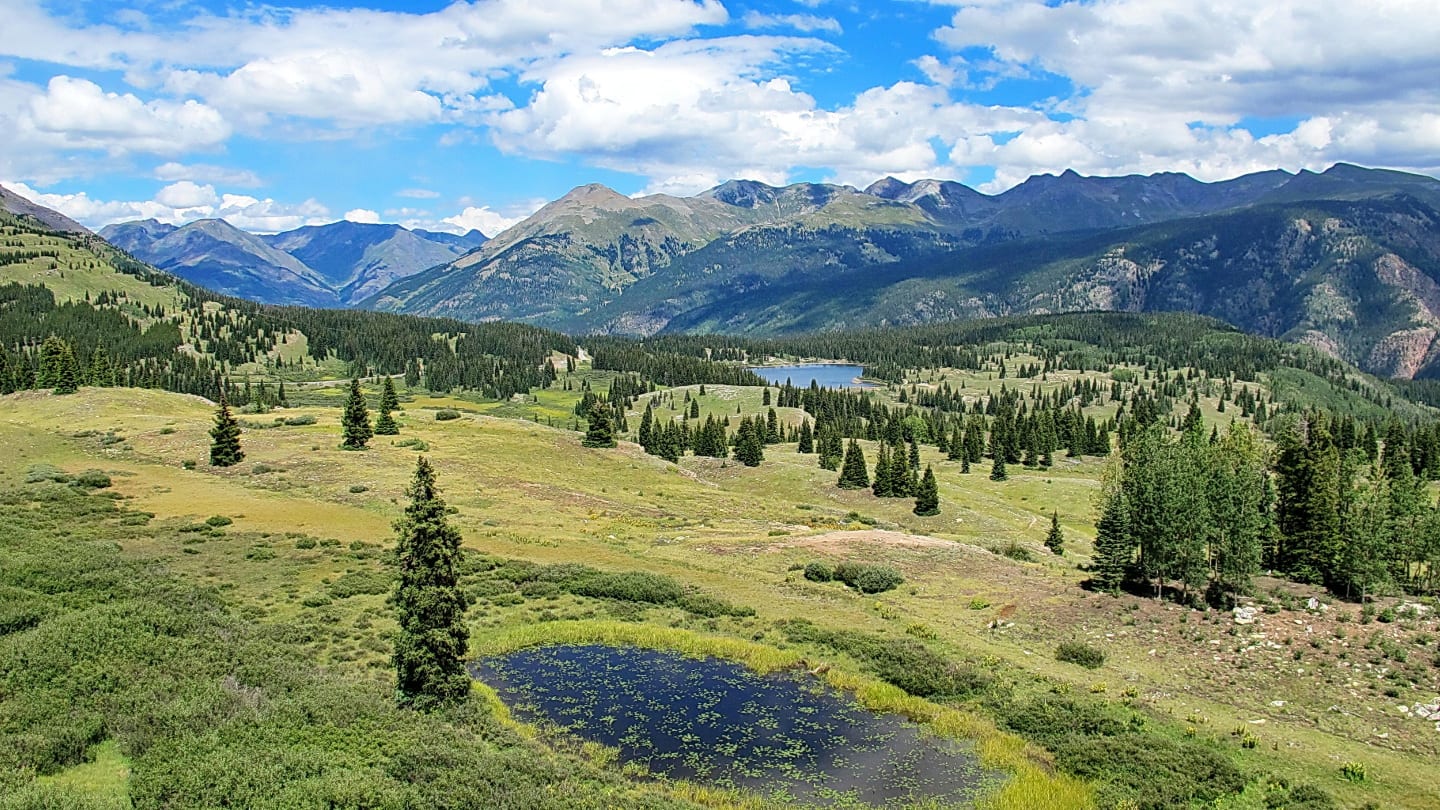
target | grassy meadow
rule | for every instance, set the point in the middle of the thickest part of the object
(291, 542)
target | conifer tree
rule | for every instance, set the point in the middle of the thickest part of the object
(880, 485)
(600, 432)
(385, 424)
(58, 368)
(355, 422)
(997, 470)
(646, 434)
(807, 438)
(430, 645)
(388, 400)
(772, 427)
(853, 474)
(225, 436)
(750, 443)
(927, 495)
(1114, 547)
(1055, 540)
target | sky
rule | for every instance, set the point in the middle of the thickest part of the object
(459, 115)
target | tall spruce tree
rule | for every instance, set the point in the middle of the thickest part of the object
(1055, 540)
(1114, 547)
(355, 422)
(927, 494)
(997, 470)
(600, 431)
(853, 474)
(807, 438)
(385, 425)
(750, 442)
(58, 367)
(225, 436)
(430, 644)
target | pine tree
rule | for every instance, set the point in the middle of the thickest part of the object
(750, 443)
(997, 470)
(927, 495)
(772, 427)
(853, 474)
(807, 438)
(58, 368)
(385, 424)
(1055, 540)
(600, 432)
(356, 420)
(225, 436)
(1114, 548)
(431, 642)
(388, 401)
(646, 434)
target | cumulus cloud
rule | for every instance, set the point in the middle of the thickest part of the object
(688, 114)
(483, 219)
(362, 215)
(179, 203)
(81, 115)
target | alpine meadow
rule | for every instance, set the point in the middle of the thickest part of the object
(656, 429)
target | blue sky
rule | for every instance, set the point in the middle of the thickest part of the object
(472, 114)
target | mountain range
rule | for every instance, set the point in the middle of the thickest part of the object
(332, 265)
(1347, 260)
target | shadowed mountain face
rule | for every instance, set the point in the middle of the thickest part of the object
(15, 204)
(326, 265)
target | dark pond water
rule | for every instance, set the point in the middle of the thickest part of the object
(786, 735)
(826, 375)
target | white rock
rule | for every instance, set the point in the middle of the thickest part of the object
(1277, 703)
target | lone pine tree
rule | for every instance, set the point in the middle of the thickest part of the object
(356, 420)
(430, 644)
(927, 495)
(225, 436)
(1055, 540)
(385, 425)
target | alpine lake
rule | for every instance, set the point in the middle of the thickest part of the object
(786, 736)
(825, 375)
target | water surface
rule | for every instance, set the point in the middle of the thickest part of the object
(826, 375)
(785, 735)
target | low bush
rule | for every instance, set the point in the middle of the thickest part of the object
(868, 578)
(356, 489)
(300, 421)
(1074, 652)
(359, 582)
(819, 572)
(446, 414)
(216, 521)
(92, 479)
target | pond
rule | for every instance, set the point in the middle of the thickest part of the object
(826, 375)
(786, 735)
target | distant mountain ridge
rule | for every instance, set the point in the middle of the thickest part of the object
(748, 257)
(330, 265)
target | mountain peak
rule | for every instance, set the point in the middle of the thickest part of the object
(743, 193)
(887, 188)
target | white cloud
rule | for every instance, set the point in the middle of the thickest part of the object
(807, 23)
(205, 173)
(179, 203)
(690, 113)
(417, 193)
(186, 194)
(482, 219)
(79, 114)
(362, 215)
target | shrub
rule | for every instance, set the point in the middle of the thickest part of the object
(1017, 552)
(1353, 772)
(1075, 652)
(306, 542)
(819, 572)
(188, 464)
(358, 583)
(301, 420)
(216, 521)
(356, 489)
(868, 578)
(38, 473)
(446, 414)
(167, 430)
(92, 479)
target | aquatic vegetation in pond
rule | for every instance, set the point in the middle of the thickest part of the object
(784, 734)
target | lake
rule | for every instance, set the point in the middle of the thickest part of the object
(826, 375)
(784, 735)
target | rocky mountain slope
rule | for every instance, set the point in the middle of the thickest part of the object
(1344, 260)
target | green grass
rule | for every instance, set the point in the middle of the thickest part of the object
(526, 491)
